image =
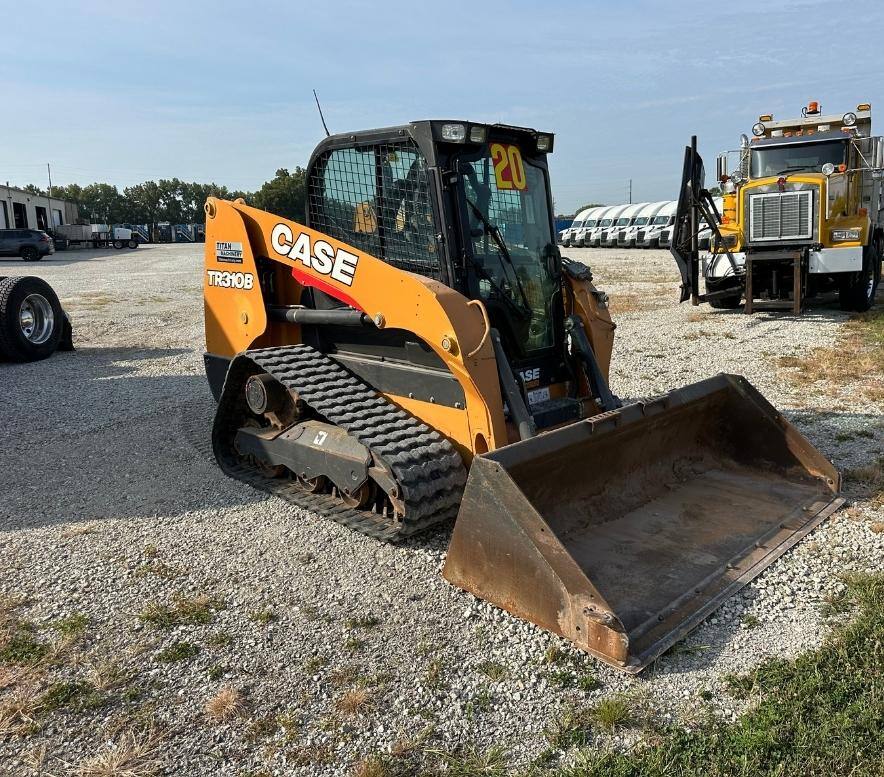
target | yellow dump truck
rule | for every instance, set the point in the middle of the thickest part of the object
(802, 215)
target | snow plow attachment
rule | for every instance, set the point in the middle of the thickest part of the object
(622, 532)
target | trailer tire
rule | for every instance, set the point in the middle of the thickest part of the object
(31, 319)
(857, 291)
(133, 244)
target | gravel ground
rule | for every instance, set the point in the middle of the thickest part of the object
(338, 646)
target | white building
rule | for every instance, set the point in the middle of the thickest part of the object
(20, 209)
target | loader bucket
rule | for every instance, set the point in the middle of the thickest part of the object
(623, 531)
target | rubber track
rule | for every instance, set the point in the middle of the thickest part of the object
(427, 468)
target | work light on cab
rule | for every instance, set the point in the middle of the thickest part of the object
(544, 143)
(454, 133)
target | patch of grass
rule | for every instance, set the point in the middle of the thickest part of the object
(435, 671)
(151, 551)
(71, 693)
(871, 477)
(158, 568)
(856, 359)
(353, 702)
(493, 670)
(19, 711)
(72, 625)
(309, 755)
(178, 651)
(264, 616)
(344, 676)
(216, 672)
(471, 762)
(366, 621)
(228, 703)
(261, 728)
(354, 644)
(751, 621)
(134, 754)
(612, 713)
(181, 611)
(314, 664)
(819, 714)
(375, 766)
(481, 702)
(79, 530)
(21, 645)
(572, 727)
(219, 639)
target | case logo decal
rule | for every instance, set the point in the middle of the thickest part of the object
(339, 265)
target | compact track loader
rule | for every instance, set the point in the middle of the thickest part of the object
(420, 351)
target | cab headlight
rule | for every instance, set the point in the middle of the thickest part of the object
(758, 129)
(848, 119)
(845, 235)
(454, 133)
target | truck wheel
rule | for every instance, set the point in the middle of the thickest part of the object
(729, 302)
(133, 244)
(858, 289)
(31, 319)
(30, 254)
(118, 244)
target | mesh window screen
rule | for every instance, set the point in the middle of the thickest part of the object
(378, 200)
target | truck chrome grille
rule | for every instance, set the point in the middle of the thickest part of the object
(781, 216)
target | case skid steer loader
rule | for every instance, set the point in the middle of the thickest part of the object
(420, 351)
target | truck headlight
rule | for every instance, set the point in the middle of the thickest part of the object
(845, 235)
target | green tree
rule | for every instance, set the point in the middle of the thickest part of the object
(102, 202)
(143, 202)
(285, 195)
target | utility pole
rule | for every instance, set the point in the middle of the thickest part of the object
(630, 191)
(50, 224)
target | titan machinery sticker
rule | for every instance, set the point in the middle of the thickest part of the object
(231, 253)
(231, 280)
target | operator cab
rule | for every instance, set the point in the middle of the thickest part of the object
(465, 204)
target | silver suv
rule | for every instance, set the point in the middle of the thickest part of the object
(30, 244)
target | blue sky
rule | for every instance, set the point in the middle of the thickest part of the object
(220, 91)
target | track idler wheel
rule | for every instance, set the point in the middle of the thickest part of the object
(313, 485)
(361, 497)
